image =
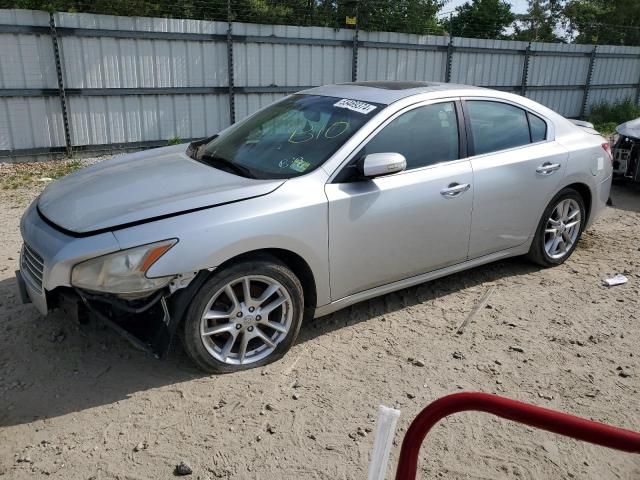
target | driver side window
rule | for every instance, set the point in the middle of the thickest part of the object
(425, 136)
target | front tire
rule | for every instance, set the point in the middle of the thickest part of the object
(245, 316)
(559, 229)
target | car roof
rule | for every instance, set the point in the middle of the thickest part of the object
(387, 92)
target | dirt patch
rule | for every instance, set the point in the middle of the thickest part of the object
(19, 176)
(81, 403)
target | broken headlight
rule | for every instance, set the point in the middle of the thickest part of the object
(123, 272)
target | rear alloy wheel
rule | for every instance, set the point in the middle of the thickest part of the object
(244, 317)
(563, 228)
(559, 229)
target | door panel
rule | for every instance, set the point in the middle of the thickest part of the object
(512, 188)
(398, 226)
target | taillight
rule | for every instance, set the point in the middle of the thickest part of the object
(607, 148)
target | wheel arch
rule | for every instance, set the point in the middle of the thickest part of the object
(583, 190)
(536, 250)
(587, 197)
(294, 261)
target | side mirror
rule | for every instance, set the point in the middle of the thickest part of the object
(377, 164)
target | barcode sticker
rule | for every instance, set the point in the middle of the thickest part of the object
(355, 105)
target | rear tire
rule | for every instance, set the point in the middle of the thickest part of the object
(245, 316)
(558, 233)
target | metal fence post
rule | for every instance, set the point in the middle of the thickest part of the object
(61, 90)
(354, 55)
(450, 50)
(525, 70)
(587, 85)
(232, 99)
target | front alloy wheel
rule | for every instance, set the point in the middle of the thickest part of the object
(245, 316)
(246, 320)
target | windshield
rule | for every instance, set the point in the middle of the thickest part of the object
(289, 138)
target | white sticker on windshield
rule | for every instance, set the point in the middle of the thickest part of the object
(355, 105)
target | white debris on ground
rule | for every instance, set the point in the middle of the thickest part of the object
(617, 279)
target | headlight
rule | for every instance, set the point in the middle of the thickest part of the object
(123, 272)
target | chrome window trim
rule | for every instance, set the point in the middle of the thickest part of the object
(549, 123)
(390, 118)
(550, 126)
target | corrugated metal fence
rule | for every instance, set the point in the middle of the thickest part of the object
(85, 82)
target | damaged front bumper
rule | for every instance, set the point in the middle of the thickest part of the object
(146, 324)
(29, 293)
(149, 324)
(47, 258)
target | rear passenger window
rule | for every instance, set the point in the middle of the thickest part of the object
(538, 128)
(424, 135)
(497, 126)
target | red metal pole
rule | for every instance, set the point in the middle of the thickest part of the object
(543, 418)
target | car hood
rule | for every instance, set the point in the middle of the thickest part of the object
(142, 187)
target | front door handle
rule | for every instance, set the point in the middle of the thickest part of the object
(547, 168)
(454, 189)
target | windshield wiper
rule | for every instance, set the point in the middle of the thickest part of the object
(227, 165)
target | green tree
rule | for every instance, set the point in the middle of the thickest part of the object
(412, 16)
(482, 19)
(409, 16)
(614, 22)
(540, 23)
(142, 8)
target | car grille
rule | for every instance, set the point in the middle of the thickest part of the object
(32, 265)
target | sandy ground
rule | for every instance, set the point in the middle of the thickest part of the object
(79, 402)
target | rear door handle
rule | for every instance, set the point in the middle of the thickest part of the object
(547, 168)
(454, 189)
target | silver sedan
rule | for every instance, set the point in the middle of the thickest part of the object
(326, 198)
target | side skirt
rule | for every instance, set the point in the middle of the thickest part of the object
(418, 279)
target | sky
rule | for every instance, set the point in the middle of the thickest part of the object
(517, 6)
